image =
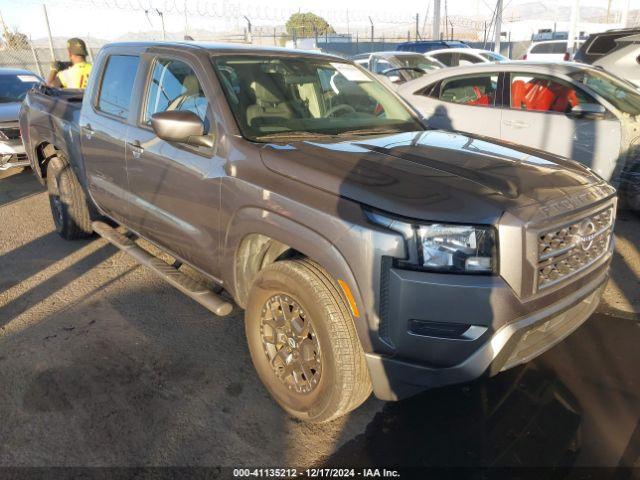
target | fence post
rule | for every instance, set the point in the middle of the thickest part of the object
(46, 19)
(35, 58)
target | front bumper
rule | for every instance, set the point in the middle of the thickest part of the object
(487, 350)
(12, 154)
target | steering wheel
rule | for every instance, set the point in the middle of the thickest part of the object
(337, 108)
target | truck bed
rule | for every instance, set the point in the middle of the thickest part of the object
(51, 116)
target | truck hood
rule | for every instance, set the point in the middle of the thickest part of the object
(9, 111)
(431, 175)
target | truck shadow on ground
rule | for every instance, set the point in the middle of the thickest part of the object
(577, 405)
(16, 185)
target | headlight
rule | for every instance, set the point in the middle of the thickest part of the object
(445, 247)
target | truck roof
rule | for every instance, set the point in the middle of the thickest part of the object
(226, 48)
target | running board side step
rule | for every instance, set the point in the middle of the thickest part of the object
(190, 287)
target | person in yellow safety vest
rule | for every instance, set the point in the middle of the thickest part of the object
(77, 73)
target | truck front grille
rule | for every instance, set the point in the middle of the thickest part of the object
(567, 250)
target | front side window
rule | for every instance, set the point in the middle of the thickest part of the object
(174, 86)
(291, 96)
(117, 85)
(619, 93)
(542, 93)
(471, 90)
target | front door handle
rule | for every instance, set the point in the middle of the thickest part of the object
(88, 132)
(136, 149)
(516, 124)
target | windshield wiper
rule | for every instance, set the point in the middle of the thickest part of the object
(293, 135)
(369, 131)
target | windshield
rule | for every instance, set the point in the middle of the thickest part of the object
(292, 96)
(415, 61)
(493, 57)
(13, 88)
(621, 95)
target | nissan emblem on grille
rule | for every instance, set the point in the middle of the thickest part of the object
(567, 250)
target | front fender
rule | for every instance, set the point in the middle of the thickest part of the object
(311, 243)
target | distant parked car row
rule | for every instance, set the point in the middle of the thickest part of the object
(14, 85)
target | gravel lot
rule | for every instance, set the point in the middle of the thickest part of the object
(104, 364)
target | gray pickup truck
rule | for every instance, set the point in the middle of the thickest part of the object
(367, 253)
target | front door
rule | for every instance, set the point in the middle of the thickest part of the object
(176, 186)
(539, 116)
(103, 131)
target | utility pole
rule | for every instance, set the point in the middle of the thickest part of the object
(46, 19)
(372, 32)
(249, 33)
(417, 26)
(164, 34)
(498, 26)
(573, 27)
(435, 30)
(625, 15)
(186, 21)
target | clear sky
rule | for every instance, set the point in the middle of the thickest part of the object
(94, 18)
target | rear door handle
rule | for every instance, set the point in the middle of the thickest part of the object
(136, 149)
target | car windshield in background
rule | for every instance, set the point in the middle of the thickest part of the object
(14, 87)
(621, 95)
(493, 57)
(415, 61)
(292, 96)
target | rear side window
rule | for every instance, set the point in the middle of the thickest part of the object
(471, 90)
(466, 59)
(603, 44)
(117, 85)
(555, 47)
(446, 58)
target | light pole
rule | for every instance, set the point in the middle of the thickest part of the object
(164, 34)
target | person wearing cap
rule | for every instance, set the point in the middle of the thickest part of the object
(77, 74)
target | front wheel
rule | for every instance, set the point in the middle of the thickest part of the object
(303, 342)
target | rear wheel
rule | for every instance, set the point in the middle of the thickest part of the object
(68, 203)
(303, 342)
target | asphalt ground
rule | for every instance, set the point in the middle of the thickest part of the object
(104, 364)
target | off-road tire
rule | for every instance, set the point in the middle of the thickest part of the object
(68, 202)
(344, 381)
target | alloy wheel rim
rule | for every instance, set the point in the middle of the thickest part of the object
(290, 344)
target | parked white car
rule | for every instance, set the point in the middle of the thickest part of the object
(454, 57)
(548, 51)
(624, 60)
(396, 66)
(570, 109)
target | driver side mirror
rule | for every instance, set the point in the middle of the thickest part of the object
(588, 110)
(181, 127)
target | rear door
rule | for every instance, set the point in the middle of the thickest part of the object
(464, 103)
(103, 126)
(176, 186)
(538, 115)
